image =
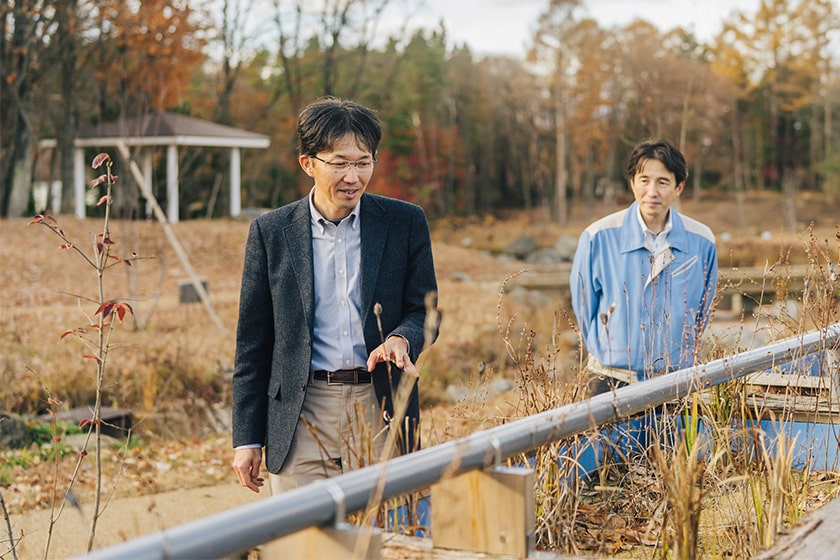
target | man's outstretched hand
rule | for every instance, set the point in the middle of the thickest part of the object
(394, 350)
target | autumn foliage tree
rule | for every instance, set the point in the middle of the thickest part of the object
(145, 54)
(464, 133)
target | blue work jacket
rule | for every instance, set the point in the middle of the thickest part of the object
(638, 312)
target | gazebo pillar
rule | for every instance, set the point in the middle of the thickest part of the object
(79, 182)
(235, 183)
(172, 184)
(147, 178)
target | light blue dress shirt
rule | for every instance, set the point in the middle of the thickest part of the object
(338, 341)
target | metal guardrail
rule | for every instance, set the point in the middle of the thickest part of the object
(318, 504)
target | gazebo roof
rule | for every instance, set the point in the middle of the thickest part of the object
(167, 129)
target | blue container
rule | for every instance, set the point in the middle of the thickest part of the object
(413, 518)
(815, 447)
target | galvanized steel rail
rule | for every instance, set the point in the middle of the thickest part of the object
(324, 502)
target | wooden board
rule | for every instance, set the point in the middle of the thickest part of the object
(485, 511)
(315, 542)
(816, 537)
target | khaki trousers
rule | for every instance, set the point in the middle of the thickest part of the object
(604, 379)
(344, 432)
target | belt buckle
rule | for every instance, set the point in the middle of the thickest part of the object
(331, 383)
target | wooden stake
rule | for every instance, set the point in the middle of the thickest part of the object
(170, 235)
(317, 542)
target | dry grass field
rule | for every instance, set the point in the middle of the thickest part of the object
(170, 363)
(172, 355)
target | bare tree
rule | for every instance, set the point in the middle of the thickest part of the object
(233, 35)
(339, 31)
(66, 56)
(23, 26)
(552, 45)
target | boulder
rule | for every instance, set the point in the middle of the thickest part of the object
(544, 256)
(566, 245)
(521, 248)
(13, 432)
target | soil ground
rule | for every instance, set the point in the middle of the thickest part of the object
(124, 519)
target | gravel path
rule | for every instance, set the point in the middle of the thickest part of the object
(124, 519)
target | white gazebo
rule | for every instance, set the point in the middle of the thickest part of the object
(172, 131)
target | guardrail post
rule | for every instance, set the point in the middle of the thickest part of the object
(490, 511)
(343, 540)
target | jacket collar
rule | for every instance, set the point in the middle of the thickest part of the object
(633, 238)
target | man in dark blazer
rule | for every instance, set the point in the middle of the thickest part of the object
(333, 309)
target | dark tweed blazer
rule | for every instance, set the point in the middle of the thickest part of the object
(276, 313)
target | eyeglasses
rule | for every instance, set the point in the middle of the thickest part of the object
(363, 166)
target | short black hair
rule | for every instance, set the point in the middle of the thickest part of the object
(325, 121)
(660, 150)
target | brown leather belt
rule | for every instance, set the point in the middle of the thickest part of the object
(343, 376)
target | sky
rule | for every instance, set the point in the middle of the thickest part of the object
(504, 26)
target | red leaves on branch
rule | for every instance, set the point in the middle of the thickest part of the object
(109, 308)
(106, 177)
(99, 160)
(120, 260)
(88, 422)
(103, 178)
(45, 219)
(78, 330)
(102, 243)
(50, 222)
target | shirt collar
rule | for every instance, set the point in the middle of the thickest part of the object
(669, 223)
(318, 219)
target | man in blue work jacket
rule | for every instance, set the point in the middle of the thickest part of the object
(644, 278)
